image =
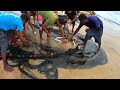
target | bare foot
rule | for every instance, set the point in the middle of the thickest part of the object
(8, 68)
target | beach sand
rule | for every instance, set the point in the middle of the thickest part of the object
(111, 45)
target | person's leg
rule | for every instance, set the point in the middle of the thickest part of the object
(4, 58)
(61, 30)
(49, 30)
(44, 26)
(13, 39)
(88, 36)
(41, 32)
(34, 18)
(98, 36)
(4, 46)
(98, 41)
(30, 24)
(64, 26)
(73, 24)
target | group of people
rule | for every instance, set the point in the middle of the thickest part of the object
(12, 25)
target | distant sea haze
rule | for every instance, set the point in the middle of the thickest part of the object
(111, 15)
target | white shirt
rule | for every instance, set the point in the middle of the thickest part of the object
(18, 13)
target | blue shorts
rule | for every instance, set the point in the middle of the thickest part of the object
(97, 34)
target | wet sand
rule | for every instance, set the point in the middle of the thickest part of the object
(111, 45)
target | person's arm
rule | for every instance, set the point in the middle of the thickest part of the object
(20, 35)
(61, 30)
(19, 30)
(74, 19)
(66, 15)
(44, 28)
(76, 31)
(75, 16)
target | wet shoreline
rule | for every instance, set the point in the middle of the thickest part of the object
(111, 45)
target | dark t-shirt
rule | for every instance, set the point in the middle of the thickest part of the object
(26, 12)
(71, 15)
(93, 22)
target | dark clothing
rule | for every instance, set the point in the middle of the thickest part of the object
(62, 19)
(4, 39)
(26, 12)
(93, 22)
(97, 35)
(71, 15)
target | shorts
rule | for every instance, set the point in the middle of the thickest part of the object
(4, 39)
(3, 42)
(9, 34)
(97, 34)
(62, 19)
(50, 26)
(3, 48)
(39, 24)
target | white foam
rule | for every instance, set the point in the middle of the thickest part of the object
(111, 15)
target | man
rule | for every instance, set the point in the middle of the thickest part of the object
(9, 23)
(95, 29)
(72, 15)
(50, 18)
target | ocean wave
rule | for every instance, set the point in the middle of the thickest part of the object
(111, 15)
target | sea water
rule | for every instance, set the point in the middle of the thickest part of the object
(110, 15)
